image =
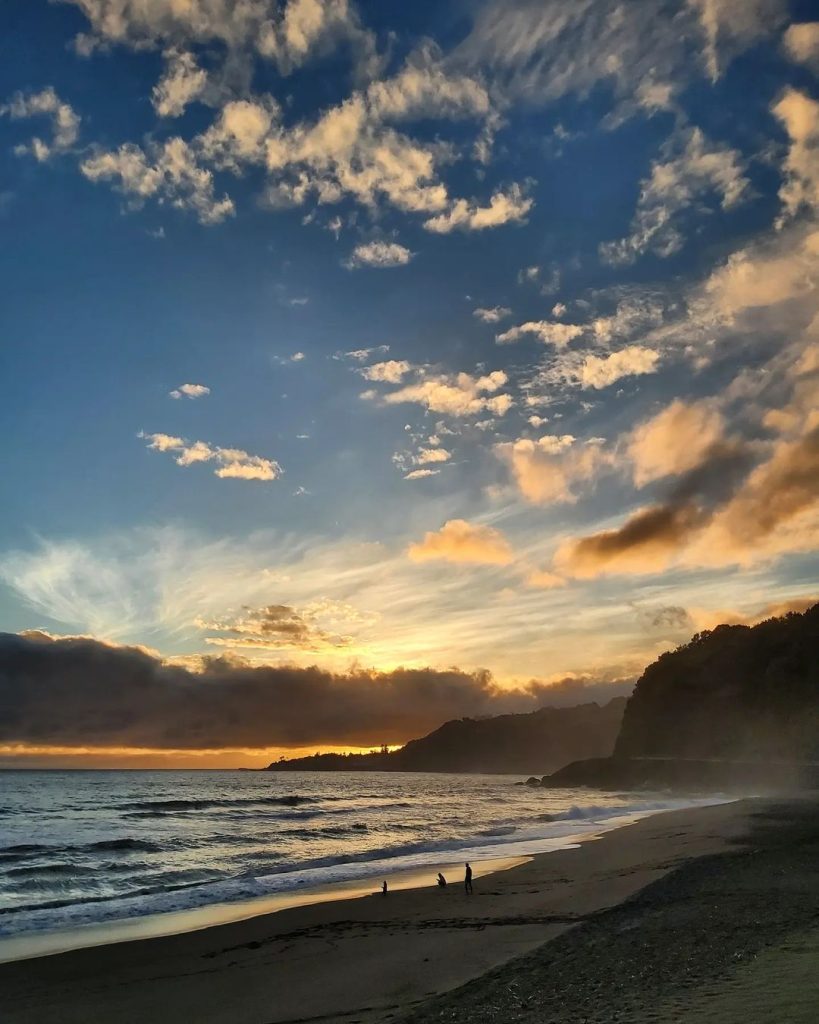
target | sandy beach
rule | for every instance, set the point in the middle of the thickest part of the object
(374, 958)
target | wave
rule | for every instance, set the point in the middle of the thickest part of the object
(166, 806)
(26, 851)
(37, 870)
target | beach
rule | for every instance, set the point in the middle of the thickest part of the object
(387, 958)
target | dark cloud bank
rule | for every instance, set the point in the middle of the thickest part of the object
(76, 691)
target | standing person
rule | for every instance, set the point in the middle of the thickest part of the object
(468, 880)
(383, 888)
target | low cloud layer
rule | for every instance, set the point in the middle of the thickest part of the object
(80, 692)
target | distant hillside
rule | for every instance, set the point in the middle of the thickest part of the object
(530, 744)
(735, 695)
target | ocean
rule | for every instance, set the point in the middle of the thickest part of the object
(85, 847)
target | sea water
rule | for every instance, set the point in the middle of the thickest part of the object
(83, 847)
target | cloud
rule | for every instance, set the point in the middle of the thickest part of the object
(731, 25)
(189, 391)
(503, 208)
(239, 134)
(542, 579)
(80, 692)
(802, 43)
(774, 511)
(675, 185)
(232, 463)
(634, 313)
(493, 314)
(721, 514)
(167, 170)
(379, 254)
(390, 372)
(541, 51)
(666, 618)
(602, 371)
(427, 455)
(65, 122)
(763, 276)
(799, 115)
(182, 81)
(548, 470)
(645, 543)
(423, 88)
(288, 36)
(351, 149)
(361, 355)
(273, 627)
(454, 394)
(421, 474)
(534, 275)
(549, 333)
(710, 618)
(674, 441)
(461, 541)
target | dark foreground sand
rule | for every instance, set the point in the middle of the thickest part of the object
(382, 959)
(730, 938)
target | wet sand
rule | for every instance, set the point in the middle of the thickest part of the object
(728, 938)
(370, 959)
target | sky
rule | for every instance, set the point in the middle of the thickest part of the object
(410, 360)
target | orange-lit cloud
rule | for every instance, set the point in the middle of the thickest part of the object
(542, 579)
(548, 470)
(647, 542)
(674, 441)
(710, 618)
(460, 541)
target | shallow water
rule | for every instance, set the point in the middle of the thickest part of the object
(85, 847)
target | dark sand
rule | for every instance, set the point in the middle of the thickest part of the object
(379, 959)
(731, 938)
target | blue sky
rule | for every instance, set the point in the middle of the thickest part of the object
(495, 327)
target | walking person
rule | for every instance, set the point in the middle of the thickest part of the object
(468, 880)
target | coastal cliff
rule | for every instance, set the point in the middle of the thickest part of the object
(736, 704)
(537, 742)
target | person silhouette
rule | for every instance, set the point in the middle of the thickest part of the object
(441, 881)
(384, 888)
(468, 880)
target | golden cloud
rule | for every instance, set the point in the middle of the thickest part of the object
(460, 541)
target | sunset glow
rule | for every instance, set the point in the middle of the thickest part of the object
(370, 365)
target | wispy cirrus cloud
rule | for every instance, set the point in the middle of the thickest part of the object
(688, 171)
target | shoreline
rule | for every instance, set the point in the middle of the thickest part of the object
(512, 853)
(35, 945)
(367, 958)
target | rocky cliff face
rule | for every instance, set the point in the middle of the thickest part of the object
(736, 692)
